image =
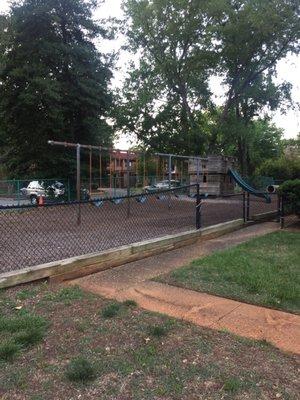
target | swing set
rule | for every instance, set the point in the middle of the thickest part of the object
(120, 169)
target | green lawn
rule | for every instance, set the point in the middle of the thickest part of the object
(62, 343)
(265, 271)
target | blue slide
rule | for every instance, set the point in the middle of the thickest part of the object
(244, 185)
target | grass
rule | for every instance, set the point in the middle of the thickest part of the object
(129, 303)
(19, 332)
(80, 370)
(263, 271)
(158, 330)
(132, 354)
(111, 310)
(8, 350)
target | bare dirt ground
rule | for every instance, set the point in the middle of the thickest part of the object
(39, 235)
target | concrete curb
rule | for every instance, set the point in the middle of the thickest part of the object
(78, 266)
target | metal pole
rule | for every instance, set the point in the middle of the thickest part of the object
(282, 213)
(248, 207)
(198, 171)
(278, 208)
(100, 169)
(170, 170)
(128, 187)
(78, 183)
(169, 177)
(90, 170)
(244, 206)
(198, 208)
(18, 191)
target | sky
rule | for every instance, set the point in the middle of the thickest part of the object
(287, 69)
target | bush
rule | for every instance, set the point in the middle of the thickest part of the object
(290, 191)
(80, 370)
(281, 169)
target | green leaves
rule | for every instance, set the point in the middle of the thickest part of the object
(54, 84)
(166, 99)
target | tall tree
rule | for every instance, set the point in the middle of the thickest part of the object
(163, 94)
(54, 84)
(180, 44)
(252, 36)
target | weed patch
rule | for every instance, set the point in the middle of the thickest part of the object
(8, 350)
(232, 385)
(130, 303)
(80, 370)
(111, 310)
(158, 330)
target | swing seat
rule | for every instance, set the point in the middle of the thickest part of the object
(116, 201)
(180, 196)
(161, 197)
(98, 203)
(141, 199)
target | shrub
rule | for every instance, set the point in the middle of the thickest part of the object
(281, 169)
(80, 370)
(290, 191)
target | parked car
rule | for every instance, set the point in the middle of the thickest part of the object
(36, 189)
(162, 185)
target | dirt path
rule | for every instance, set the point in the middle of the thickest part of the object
(131, 281)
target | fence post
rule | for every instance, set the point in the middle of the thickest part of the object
(198, 208)
(18, 191)
(78, 183)
(128, 186)
(248, 207)
(244, 206)
(282, 213)
(278, 208)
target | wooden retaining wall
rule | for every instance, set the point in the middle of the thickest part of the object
(78, 266)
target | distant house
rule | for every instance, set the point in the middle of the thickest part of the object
(120, 163)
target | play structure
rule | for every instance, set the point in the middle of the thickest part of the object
(247, 188)
(116, 173)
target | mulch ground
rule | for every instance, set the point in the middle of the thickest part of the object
(44, 234)
(131, 362)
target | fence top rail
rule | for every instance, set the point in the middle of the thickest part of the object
(92, 201)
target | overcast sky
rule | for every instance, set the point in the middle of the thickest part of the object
(288, 69)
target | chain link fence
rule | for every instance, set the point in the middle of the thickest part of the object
(32, 235)
(289, 212)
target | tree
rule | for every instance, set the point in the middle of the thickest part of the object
(54, 85)
(166, 99)
(164, 93)
(281, 169)
(252, 37)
